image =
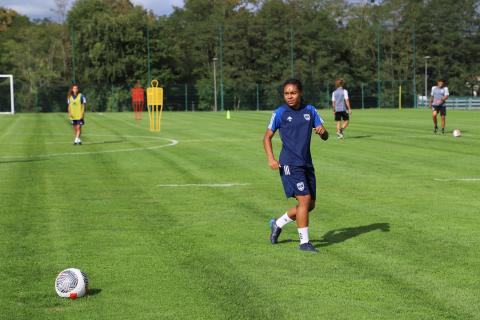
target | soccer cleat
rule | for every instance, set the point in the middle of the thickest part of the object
(435, 130)
(79, 141)
(443, 130)
(274, 231)
(307, 247)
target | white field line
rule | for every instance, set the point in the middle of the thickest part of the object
(458, 179)
(172, 142)
(207, 185)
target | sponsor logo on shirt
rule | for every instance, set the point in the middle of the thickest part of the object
(300, 186)
(306, 116)
(289, 119)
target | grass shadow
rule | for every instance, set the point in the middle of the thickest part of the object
(22, 160)
(360, 137)
(340, 235)
(94, 291)
(105, 142)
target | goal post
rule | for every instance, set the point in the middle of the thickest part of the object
(7, 103)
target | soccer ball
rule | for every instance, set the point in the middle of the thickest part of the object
(457, 133)
(71, 283)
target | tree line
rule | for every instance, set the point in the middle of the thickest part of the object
(108, 45)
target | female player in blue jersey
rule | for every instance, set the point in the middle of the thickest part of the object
(295, 120)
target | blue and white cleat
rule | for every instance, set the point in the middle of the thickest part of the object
(307, 247)
(274, 231)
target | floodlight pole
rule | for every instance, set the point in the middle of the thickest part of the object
(72, 31)
(415, 102)
(221, 71)
(426, 78)
(148, 55)
(215, 84)
(292, 67)
(378, 68)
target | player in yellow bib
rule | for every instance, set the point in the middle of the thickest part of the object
(76, 112)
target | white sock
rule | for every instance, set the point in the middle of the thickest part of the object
(303, 235)
(283, 220)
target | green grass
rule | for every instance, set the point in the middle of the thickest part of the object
(394, 242)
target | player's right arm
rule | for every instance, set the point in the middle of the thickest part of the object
(267, 145)
(69, 110)
(333, 102)
(431, 99)
(273, 126)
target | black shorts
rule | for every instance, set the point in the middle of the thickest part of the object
(440, 109)
(298, 181)
(342, 115)
(78, 122)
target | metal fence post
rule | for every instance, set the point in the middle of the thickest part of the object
(186, 97)
(258, 99)
(363, 96)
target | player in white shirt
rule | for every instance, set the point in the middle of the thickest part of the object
(437, 103)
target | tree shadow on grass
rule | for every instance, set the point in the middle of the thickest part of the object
(340, 235)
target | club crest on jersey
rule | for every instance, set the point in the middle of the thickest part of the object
(300, 186)
(306, 116)
(289, 119)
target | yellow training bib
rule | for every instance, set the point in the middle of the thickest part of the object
(76, 107)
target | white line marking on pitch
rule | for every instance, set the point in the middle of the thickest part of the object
(173, 142)
(208, 185)
(460, 179)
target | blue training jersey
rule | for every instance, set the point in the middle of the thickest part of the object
(296, 133)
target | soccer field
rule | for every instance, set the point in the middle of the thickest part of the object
(174, 225)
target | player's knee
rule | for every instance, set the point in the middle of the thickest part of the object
(305, 201)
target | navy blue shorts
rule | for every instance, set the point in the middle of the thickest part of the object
(76, 122)
(298, 181)
(440, 109)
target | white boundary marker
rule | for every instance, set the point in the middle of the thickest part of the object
(172, 142)
(208, 185)
(459, 179)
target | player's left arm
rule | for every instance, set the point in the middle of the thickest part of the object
(83, 103)
(318, 123)
(347, 101)
(446, 95)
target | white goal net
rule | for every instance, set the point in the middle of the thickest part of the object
(7, 104)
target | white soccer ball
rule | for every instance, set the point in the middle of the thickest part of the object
(71, 283)
(457, 133)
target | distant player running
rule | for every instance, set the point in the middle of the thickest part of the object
(295, 120)
(76, 112)
(340, 105)
(437, 103)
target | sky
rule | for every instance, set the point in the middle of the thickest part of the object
(38, 9)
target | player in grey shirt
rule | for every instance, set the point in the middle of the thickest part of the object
(340, 105)
(437, 103)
